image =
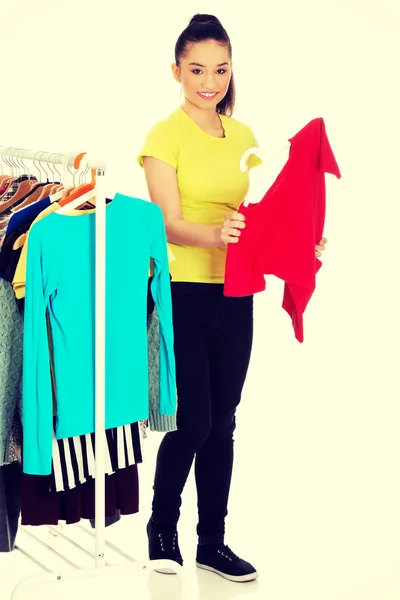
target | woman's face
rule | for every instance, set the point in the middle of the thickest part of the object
(204, 74)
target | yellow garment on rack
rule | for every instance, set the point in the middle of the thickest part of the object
(20, 272)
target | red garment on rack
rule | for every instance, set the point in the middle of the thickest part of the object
(282, 230)
(40, 506)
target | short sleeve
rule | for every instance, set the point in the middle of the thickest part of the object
(253, 160)
(160, 143)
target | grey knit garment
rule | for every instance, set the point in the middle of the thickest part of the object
(11, 331)
(158, 422)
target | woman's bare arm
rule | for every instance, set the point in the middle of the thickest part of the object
(163, 189)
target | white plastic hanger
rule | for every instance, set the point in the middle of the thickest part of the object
(88, 197)
(243, 161)
(57, 196)
(262, 176)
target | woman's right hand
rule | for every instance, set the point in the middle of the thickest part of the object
(231, 228)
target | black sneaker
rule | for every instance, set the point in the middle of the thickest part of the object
(220, 559)
(163, 545)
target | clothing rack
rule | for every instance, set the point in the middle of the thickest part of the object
(47, 580)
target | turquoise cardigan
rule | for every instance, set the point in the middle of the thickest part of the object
(60, 277)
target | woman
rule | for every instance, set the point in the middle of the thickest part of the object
(191, 163)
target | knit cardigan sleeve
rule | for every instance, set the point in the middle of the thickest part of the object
(157, 421)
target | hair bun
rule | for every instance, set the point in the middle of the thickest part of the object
(200, 19)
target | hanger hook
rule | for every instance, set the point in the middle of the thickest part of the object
(19, 159)
(9, 157)
(84, 173)
(17, 165)
(17, 162)
(3, 157)
(24, 165)
(88, 171)
(9, 161)
(50, 167)
(37, 165)
(77, 164)
(81, 176)
(58, 157)
(8, 151)
(70, 163)
(16, 151)
(14, 159)
(13, 165)
(43, 167)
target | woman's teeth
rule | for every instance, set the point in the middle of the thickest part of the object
(207, 95)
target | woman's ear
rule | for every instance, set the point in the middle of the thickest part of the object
(176, 72)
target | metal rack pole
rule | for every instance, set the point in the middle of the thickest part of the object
(100, 342)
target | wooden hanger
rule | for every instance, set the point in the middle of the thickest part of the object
(9, 182)
(22, 190)
(45, 191)
(67, 192)
(19, 242)
(31, 198)
(47, 188)
(42, 191)
(4, 178)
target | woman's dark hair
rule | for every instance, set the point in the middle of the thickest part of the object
(200, 29)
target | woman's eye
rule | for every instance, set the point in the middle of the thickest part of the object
(220, 71)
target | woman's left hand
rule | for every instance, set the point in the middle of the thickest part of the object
(319, 248)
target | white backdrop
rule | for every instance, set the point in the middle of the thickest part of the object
(318, 445)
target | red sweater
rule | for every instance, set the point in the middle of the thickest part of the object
(282, 230)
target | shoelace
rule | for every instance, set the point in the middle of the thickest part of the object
(227, 553)
(172, 541)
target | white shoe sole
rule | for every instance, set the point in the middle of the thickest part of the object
(239, 579)
(165, 571)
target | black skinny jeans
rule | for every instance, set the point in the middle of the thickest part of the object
(213, 339)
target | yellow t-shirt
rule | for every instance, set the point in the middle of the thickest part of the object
(210, 181)
(19, 280)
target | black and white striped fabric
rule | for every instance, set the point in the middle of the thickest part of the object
(74, 458)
